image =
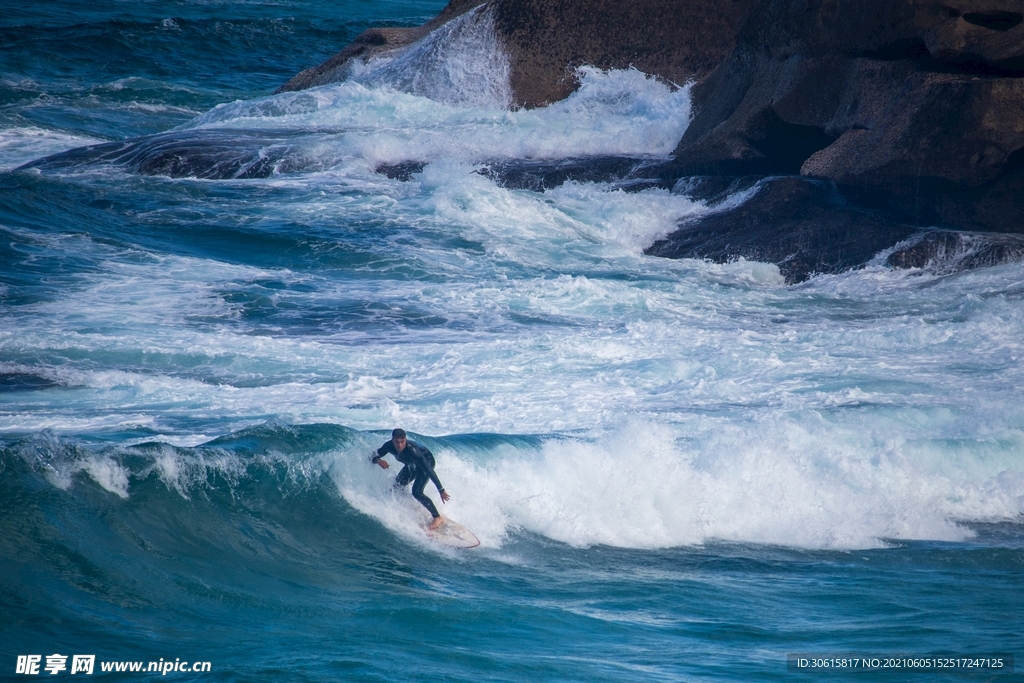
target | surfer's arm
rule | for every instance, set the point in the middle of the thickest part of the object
(378, 457)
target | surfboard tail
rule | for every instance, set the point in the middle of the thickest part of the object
(453, 535)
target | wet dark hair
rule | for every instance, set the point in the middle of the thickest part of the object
(398, 433)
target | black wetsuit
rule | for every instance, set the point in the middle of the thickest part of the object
(419, 467)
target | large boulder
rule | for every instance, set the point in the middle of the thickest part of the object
(678, 41)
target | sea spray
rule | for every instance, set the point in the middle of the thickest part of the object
(460, 63)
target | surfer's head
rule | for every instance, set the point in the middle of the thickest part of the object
(398, 438)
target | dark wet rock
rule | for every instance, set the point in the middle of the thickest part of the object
(945, 252)
(207, 159)
(997, 206)
(939, 131)
(403, 170)
(806, 227)
(629, 173)
(367, 44)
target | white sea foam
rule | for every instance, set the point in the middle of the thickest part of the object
(584, 221)
(615, 112)
(797, 481)
(666, 340)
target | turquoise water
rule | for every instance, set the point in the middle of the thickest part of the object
(212, 307)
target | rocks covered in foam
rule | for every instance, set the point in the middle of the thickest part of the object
(913, 109)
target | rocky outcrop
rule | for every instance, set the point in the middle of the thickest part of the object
(914, 111)
(911, 111)
(919, 102)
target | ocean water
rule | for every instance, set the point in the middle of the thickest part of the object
(212, 307)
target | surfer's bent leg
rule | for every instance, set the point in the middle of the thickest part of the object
(417, 492)
(404, 477)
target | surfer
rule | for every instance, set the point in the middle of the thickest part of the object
(419, 467)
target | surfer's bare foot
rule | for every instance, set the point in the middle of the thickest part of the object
(437, 521)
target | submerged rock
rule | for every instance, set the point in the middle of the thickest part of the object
(944, 252)
(204, 154)
(403, 171)
(628, 173)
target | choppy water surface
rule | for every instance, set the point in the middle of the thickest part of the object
(212, 306)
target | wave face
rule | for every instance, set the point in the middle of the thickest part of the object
(214, 302)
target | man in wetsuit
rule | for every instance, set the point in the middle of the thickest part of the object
(419, 467)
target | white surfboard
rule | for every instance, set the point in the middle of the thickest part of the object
(453, 535)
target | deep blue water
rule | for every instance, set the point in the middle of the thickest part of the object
(212, 307)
